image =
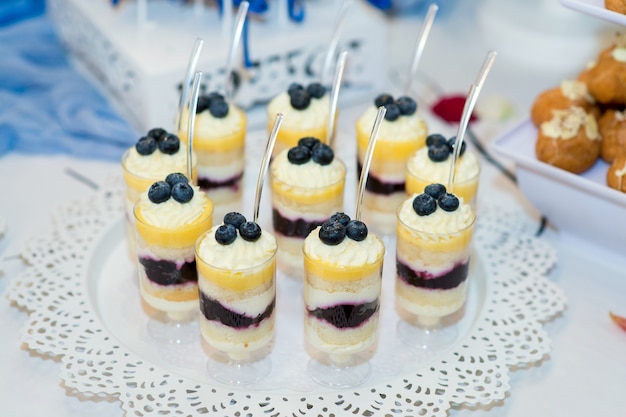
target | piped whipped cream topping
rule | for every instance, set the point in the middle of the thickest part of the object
(565, 124)
(420, 165)
(314, 116)
(307, 175)
(240, 254)
(157, 164)
(405, 126)
(348, 253)
(207, 126)
(440, 222)
(575, 90)
(171, 214)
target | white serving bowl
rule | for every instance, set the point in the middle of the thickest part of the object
(582, 207)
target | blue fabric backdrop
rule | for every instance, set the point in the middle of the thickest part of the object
(46, 107)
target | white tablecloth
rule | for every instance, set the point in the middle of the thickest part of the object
(584, 375)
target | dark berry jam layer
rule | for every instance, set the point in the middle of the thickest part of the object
(207, 184)
(164, 272)
(346, 315)
(293, 228)
(377, 186)
(213, 310)
(424, 279)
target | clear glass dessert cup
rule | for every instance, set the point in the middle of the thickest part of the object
(168, 277)
(431, 284)
(385, 189)
(221, 163)
(342, 306)
(465, 188)
(136, 184)
(237, 316)
(296, 211)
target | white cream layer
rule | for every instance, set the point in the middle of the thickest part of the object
(439, 222)
(400, 129)
(421, 166)
(314, 116)
(348, 253)
(157, 164)
(171, 214)
(240, 254)
(309, 175)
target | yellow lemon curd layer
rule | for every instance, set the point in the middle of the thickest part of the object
(239, 280)
(290, 137)
(175, 236)
(328, 272)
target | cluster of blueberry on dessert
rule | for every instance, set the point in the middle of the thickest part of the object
(434, 195)
(310, 148)
(403, 106)
(215, 103)
(340, 226)
(167, 143)
(300, 97)
(440, 148)
(176, 186)
(236, 222)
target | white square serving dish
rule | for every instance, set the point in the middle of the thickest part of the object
(581, 207)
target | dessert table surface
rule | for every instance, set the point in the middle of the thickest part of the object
(585, 372)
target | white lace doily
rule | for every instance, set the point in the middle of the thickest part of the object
(504, 331)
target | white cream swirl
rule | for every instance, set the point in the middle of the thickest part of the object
(307, 175)
(440, 222)
(207, 126)
(171, 214)
(157, 164)
(400, 129)
(314, 116)
(240, 254)
(348, 253)
(421, 166)
(565, 124)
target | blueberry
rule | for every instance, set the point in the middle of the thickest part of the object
(449, 202)
(293, 87)
(215, 96)
(424, 205)
(407, 105)
(435, 190)
(170, 144)
(436, 139)
(438, 153)
(356, 230)
(332, 233)
(250, 231)
(159, 192)
(309, 142)
(383, 100)
(323, 154)
(176, 177)
(316, 90)
(299, 155)
(146, 145)
(234, 218)
(218, 108)
(452, 142)
(203, 104)
(393, 112)
(182, 192)
(157, 133)
(300, 99)
(342, 218)
(226, 234)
